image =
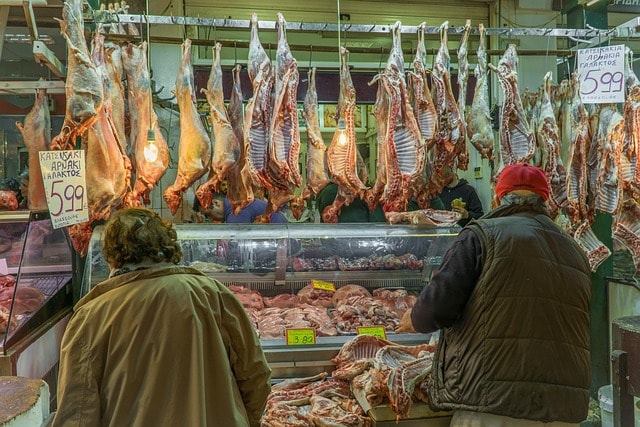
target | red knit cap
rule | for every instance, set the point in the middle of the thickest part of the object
(522, 176)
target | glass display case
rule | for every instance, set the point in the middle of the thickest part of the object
(35, 289)
(278, 272)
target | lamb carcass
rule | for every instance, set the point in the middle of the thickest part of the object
(258, 109)
(282, 173)
(463, 77)
(317, 170)
(36, 135)
(147, 171)
(83, 87)
(450, 138)
(517, 143)
(405, 150)
(224, 138)
(194, 147)
(479, 129)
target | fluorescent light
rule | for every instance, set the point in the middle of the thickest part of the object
(592, 2)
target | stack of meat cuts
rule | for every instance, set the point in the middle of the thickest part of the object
(356, 311)
(273, 321)
(313, 401)
(383, 372)
(407, 261)
(25, 299)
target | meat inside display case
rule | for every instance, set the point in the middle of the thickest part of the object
(35, 274)
(281, 272)
(275, 270)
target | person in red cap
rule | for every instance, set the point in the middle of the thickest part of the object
(511, 299)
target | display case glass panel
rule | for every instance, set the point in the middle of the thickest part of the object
(36, 282)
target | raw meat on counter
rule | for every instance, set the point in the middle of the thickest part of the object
(383, 372)
(27, 299)
(312, 402)
(347, 291)
(313, 296)
(282, 301)
(355, 311)
(249, 298)
(5, 322)
(7, 281)
(373, 262)
(398, 301)
(273, 321)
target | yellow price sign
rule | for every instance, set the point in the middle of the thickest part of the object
(325, 286)
(376, 331)
(300, 336)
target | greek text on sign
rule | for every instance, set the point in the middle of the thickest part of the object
(63, 173)
(601, 74)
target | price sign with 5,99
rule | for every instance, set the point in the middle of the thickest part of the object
(301, 336)
(601, 74)
(63, 174)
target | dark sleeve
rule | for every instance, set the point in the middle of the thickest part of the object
(326, 196)
(443, 300)
(474, 205)
(437, 204)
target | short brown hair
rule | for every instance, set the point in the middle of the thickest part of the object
(134, 235)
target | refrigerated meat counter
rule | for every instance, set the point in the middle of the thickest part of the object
(263, 261)
(35, 294)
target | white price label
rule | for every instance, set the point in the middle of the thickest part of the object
(63, 173)
(601, 74)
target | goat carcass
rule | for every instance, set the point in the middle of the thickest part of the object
(83, 87)
(36, 135)
(194, 147)
(479, 128)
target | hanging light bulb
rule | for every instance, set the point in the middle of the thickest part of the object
(342, 132)
(151, 149)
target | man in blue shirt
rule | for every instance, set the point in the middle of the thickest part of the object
(220, 211)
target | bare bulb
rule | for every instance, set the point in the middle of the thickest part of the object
(342, 132)
(151, 149)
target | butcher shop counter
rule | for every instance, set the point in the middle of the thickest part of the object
(35, 294)
(271, 260)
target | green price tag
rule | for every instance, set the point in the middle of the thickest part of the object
(302, 336)
(325, 286)
(376, 331)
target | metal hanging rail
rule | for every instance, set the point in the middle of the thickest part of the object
(220, 23)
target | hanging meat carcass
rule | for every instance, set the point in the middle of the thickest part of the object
(549, 143)
(36, 135)
(108, 176)
(147, 170)
(479, 126)
(224, 138)
(626, 229)
(419, 94)
(83, 87)
(517, 144)
(194, 147)
(607, 144)
(342, 152)
(424, 111)
(257, 117)
(405, 149)
(463, 77)
(234, 111)
(239, 181)
(317, 170)
(450, 137)
(631, 148)
(577, 177)
(381, 114)
(282, 173)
